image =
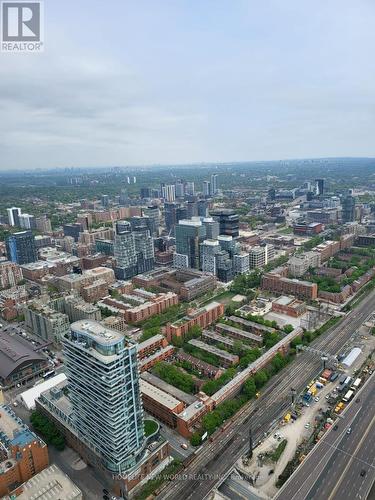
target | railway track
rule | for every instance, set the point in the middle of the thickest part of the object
(216, 458)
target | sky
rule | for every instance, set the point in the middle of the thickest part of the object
(141, 82)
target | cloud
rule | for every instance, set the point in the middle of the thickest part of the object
(160, 81)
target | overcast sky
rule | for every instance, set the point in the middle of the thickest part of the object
(141, 82)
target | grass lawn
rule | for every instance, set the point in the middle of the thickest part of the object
(150, 427)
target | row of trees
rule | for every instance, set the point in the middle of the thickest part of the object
(172, 375)
(213, 420)
(48, 430)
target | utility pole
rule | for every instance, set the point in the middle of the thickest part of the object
(294, 392)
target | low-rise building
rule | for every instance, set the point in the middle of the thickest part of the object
(18, 361)
(237, 333)
(49, 484)
(160, 404)
(149, 346)
(76, 282)
(76, 308)
(252, 326)
(202, 317)
(162, 354)
(275, 282)
(225, 358)
(22, 453)
(289, 306)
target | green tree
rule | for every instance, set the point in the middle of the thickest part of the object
(249, 388)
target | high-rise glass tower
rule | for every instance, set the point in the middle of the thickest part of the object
(21, 247)
(102, 370)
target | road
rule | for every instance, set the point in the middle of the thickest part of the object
(217, 458)
(333, 469)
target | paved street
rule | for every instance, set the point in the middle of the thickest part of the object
(217, 458)
(342, 465)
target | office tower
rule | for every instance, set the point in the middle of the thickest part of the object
(73, 230)
(145, 192)
(170, 215)
(229, 244)
(189, 235)
(224, 269)
(257, 257)
(319, 187)
(348, 209)
(229, 221)
(124, 198)
(241, 263)
(180, 189)
(213, 185)
(212, 228)
(189, 188)
(181, 214)
(192, 209)
(124, 251)
(206, 188)
(21, 247)
(26, 221)
(209, 249)
(107, 414)
(105, 200)
(168, 192)
(272, 194)
(202, 208)
(13, 216)
(153, 213)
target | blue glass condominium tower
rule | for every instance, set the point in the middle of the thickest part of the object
(102, 370)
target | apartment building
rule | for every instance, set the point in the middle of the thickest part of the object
(10, 274)
(274, 282)
(202, 317)
(22, 453)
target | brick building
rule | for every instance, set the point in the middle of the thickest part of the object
(202, 317)
(22, 453)
(278, 283)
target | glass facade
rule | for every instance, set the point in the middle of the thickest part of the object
(102, 370)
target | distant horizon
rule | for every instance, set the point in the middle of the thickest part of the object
(182, 165)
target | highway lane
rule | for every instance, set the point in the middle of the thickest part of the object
(352, 483)
(217, 458)
(332, 469)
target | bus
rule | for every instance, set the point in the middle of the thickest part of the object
(49, 374)
(348, 396)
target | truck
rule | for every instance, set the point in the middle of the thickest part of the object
(313, 390)
(333, 377)
(356, 384)
(348, 396)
